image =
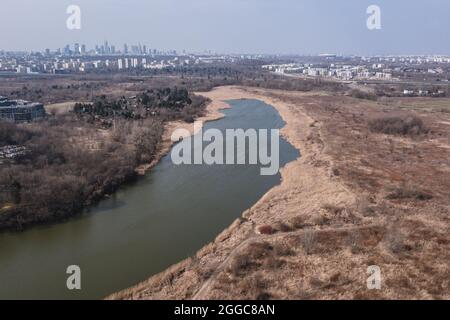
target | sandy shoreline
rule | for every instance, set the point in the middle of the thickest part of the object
(300, 179)
(212, 113)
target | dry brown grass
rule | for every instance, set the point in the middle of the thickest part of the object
(408, 191)
(330, 261)
(401, 124)
(394, 240)
(308, 241)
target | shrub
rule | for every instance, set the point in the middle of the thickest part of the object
(240, 263)
(188, 118)
(255, 287)
(266, 229)
(363, 206)
(297, 222)
(395, 241)
(406, 191)
(336, 172)
(282, 227)
(282, 249)
(271, 262)
(354, 240)
(258, 250)
(308, 241)
(320, 220)
(363, 95)
(398, 125)
(331, 208)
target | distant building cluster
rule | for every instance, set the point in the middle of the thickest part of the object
(107, 49)
(341, 72)
(363, 68)
(20, 110)
(423, 93)
(104, 58)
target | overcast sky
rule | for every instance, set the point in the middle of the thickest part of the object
(232, 26)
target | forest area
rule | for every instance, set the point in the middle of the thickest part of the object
(74, 159)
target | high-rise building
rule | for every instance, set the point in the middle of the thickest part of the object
(83, 49)
(76, 48)
(67, 50)
(125, 48)
(107, 48)
(120, 64)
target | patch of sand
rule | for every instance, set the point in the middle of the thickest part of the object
(212, 113)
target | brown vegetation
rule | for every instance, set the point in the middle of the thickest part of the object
(403, 124)
(76, 158)
(70, 164)
(333, 226)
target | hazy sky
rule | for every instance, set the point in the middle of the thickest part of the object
(232, 26)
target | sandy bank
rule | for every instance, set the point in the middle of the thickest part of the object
(300, 180)
(211, 113)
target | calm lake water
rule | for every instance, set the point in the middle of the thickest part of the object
(163, 218)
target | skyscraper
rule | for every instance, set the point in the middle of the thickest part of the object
(107, 48)
(67, 50)
(76, 48)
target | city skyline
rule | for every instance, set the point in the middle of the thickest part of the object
(271, 27)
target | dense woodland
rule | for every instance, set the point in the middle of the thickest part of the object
(74, 159)
(164, 103)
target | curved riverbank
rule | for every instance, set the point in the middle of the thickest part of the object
(301, 179)
(212, 113)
